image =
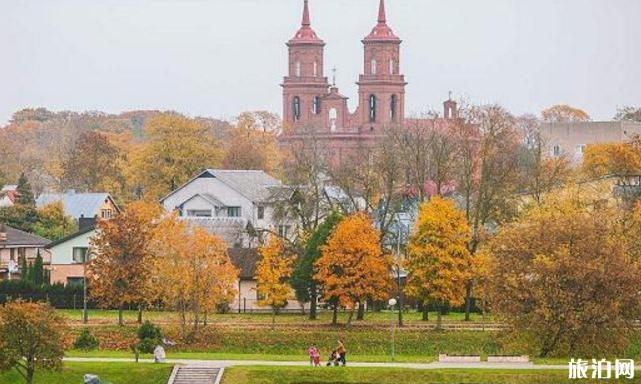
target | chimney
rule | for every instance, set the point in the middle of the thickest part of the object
(86, 222)
(3, 233)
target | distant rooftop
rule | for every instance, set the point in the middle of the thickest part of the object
(17, 238)
(76, 205)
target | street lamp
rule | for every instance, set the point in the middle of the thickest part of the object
(392, 303)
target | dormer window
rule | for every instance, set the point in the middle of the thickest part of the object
(297, 68)
(373, 66)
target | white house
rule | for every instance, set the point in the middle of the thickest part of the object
(228, 203)
(68, 256)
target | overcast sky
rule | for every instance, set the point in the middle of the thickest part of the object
(220, 57)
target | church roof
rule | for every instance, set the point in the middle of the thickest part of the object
(382, 31)
(306, 34)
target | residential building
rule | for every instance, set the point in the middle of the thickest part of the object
(16, 245)
(229, 203)
(69, 256)
(571, 138)
(82, 205)
(8, 195)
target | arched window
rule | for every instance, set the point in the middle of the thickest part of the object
(372, 108)
(392, 107)
(391, 66)
(316, 105)
(333, 116)
(315, 69)
(373, 66)
(297, 69)
(296, 108)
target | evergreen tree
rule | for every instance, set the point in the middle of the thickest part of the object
(25, 193)
(25, 270)
(37, 271)
(302, 280)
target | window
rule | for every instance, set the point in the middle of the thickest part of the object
(580, 149)
(392, 107)
(296, 108)
(391, 66)
(233, 211)
(297, 69)
(315, 69)
(283, 230)
(316, 105)
(199, 212)
(79, 254)
(261, 213)
(372, 108)
(373, 66)
(333, 116)
(22, 254)
(75, 281)
(556, 150)
(106, 214)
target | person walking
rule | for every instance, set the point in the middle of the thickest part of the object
(313, 353)
(342, 352)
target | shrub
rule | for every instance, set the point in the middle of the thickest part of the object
(149, 330)
(147, 345)
(86, 341)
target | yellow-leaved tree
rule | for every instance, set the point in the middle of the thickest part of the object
(438, 260)
(194, 272)
(122, 269)
(272, 274)
(353, 268)
(616, 159)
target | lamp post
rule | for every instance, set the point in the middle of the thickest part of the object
(392, 303)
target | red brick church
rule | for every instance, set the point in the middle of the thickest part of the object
(309, 101)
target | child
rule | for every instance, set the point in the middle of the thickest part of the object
(317, 358)
(312, 351)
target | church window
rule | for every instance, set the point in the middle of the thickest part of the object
(296, 108)
(315, 69)
(316, 105)
(333, 116)
(392, 107)
(391, 67)
(372, 108)
(298, 69)
(373, 66)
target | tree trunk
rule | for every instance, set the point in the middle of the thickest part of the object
(468, 300)
(205, 318)
(335, 315)
(140, 314)
(360, 315)
(351, 315)
(120, 322)
(313, 304)
(29, 376)
(439, 318)
(425, 312)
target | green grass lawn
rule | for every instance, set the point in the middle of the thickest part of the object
(112, 373)
(339, 375)
(383, 317)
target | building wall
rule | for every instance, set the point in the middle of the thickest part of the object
(60, 273)
(30, 253)
(62, 254)
(247, 299)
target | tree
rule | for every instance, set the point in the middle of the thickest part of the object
(352, 268)
(92, 165)
(19, 216)
(122, 269)
(562, 278)
(30, 338)
(562, 113)
(252, 143)
(628, 113)
(25, 193)
(305, 286)
(52, 222)
(617, 159)
(272, 274)
(438, 261)
(196, 273)
(176, 149)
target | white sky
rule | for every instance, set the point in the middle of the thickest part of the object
(220, 57)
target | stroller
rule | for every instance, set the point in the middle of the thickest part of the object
(334, 359)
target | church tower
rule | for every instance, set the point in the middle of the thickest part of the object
(381, 87)
(305, 85)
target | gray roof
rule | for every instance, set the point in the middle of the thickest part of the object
(76, 205)
(253, 184)
(17, 238)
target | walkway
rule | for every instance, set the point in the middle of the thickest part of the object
(231, 363)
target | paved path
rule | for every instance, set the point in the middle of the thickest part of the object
(231, 363)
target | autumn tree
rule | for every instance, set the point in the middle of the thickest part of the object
(30, 338)
(562, 113)
(305, 286)
(122, 269)
(252, 142)
(53, 223)
(628, 113)
(616, 159)
(438, 261)
(194, 273)
(272, 274)
(176, 149)
(352, 268)
(92, 165)
(562, 279)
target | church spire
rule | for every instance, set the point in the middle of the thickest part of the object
(306, 19)
(381, 13)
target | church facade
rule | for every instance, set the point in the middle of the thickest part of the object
(311, 102)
